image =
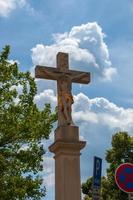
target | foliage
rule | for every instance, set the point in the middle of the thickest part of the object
(120, 152)
(22, 128)
(87, 188)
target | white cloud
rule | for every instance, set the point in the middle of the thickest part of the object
(48, 164)
(86, 47)
(93, 111)
(13, 61)
(22, 3)
(103, 112)
(49, 171)
(49, 180)
(108, 73)
(45, 97)
(7, 6)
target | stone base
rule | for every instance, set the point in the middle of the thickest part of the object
(67, 133)
(71, 148)
(67, 163)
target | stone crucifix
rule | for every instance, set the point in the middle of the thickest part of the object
(64, 78)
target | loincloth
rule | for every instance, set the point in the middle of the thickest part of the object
(65, 98)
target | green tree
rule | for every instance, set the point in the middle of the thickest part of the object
(22, 128)
(120, 152)
(87, 188)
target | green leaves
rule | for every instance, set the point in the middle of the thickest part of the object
(5, 53)
(121, 152)
(22, 127)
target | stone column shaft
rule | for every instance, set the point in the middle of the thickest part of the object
(67, 163)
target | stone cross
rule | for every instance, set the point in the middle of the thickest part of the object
(67, 145)
(64, 78)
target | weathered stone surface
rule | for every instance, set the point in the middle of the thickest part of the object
(67, 133)
(67, 163)
(64, 78)
(66, 146)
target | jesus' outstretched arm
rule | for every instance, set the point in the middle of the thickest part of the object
(80, 76)
(51, 75)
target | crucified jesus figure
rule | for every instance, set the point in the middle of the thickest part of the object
(64, 78)
(65, 98)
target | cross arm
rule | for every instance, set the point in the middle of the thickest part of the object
(80, 77)
(46, 72)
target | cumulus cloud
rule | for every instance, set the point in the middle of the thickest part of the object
(49, 180)
(48, 165)
(86, 47)
(98, 110)
(101, 111)
(45, 97)
(7, 6)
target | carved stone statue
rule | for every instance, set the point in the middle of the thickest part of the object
(64, 78)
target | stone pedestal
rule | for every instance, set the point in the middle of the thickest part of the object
(67, 163)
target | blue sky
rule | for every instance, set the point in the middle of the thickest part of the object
(98, 35)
